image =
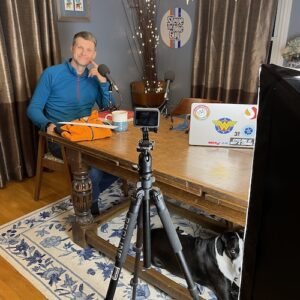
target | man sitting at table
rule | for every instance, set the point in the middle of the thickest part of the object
(69, 91)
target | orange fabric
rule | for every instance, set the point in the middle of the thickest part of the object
(77, 133)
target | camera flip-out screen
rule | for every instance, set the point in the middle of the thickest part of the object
(146, 117)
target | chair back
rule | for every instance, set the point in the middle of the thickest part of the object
(184, 106)
(45, 160)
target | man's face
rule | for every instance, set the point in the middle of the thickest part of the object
(83, 52)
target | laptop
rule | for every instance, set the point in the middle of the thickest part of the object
(225, 125)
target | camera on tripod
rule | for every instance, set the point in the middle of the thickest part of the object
(148, 120)
(146, 117)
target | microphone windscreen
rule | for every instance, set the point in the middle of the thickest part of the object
(169, 75)
(103, 70)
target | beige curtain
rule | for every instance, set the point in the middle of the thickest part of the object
(28, 43)
(232, 41)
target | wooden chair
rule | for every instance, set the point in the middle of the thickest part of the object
(184, 106)
(47, 160)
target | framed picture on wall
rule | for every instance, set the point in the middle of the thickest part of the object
(73, 10)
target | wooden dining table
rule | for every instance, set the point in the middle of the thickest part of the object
(215, 180)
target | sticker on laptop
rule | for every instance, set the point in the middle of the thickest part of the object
(224, 125)
(201, 112)
(248, 130)
(250, 113)
(235, 141)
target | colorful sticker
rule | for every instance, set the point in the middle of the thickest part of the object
(224, 125)
(250, 113)
(248, 130)
(245, 142)
(201, 112)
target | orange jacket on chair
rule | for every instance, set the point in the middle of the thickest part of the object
(77, 133)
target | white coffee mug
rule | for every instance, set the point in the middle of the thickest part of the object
(119, 118)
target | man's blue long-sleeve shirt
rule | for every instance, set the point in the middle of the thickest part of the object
(62, 95)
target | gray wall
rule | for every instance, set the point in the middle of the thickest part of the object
(178, 60)
(108, 23)
(294, 27)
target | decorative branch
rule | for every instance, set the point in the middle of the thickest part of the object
(141, 16)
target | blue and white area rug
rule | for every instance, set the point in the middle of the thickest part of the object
(40, 247)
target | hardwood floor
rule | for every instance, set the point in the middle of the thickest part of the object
(16, 200)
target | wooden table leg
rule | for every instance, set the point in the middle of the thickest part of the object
(81, 198)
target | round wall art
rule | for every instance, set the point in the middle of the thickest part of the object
(175, 27)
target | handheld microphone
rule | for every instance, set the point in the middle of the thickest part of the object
(104, 71)
(169, 77)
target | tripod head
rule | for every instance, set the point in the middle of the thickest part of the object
(145, 159)
(145, 143)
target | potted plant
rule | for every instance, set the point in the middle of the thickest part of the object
(143, 39)
(291, 53)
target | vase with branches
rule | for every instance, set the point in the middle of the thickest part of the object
(143, 39)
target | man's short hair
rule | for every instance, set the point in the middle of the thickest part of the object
(85, 35)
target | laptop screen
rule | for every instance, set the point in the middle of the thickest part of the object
(225, 125)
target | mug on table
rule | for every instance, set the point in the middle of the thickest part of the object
(119, 118)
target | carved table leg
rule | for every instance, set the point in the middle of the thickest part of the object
(81, 198)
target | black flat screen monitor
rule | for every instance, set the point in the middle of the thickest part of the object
(271, 257)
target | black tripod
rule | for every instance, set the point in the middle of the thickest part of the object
(139, 211)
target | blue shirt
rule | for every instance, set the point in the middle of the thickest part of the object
(63, 95)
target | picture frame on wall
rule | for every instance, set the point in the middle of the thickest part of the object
(73, 10)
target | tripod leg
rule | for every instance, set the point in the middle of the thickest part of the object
(129, 225)
(173, 238)
(164, 109)
(138, 250)
(146, 231)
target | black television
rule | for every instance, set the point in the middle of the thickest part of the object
(271, 254)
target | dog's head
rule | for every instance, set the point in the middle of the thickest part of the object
(229, 255)
(231, 243)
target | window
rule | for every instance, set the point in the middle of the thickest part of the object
(280, 31)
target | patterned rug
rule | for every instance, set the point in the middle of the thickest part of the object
(40, 247)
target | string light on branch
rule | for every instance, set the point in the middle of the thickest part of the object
(141, 17)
